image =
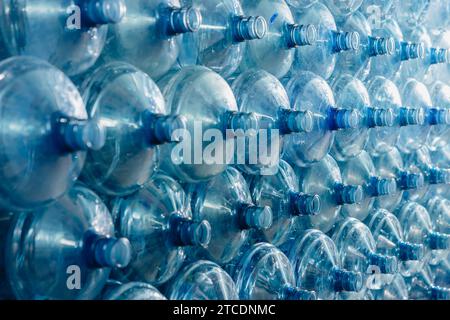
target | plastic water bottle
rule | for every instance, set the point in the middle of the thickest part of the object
(439, 116)
(260, 93)
(158, 222)
(320, 58)
(439, 211)
(405, 51)
(282, 194)
(343, 8)
(360, 170)
(68, 34)
(396, 290)
(309, 92)
(384, 95)
(423, 287)
(131, 291)
(388, 234)
(263, 272)
(316, 264)
(202, 280)
(418, 228)
(358, 63)
(63, 251)
(275, 53)
(390, 165)
(226, 203)
(209, 106)
(414, 132)
(136, 119)
(357, 251)
(424, 69)
(325, 180)
(442, 41)
(45, 134)
(220, 42)
(150, 34)
(351, 94)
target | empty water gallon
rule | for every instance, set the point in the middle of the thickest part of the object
(69, 34)
(358, 63)
(263, 272)
(388, 234)
(45, 133)
(64, 251)
(136, 120)
(150, 34)
(220, 42)
(202, 280)
(316, 264)
(261, 93)
(361, 171)
(158, 222)
(226, 203)
(131, 291)
(209, 106)
(386, 104)
(309, 92)
(357, 251)
(282, 194)
(325, 180)
(275, 53)
(390, 165)
(320, 58)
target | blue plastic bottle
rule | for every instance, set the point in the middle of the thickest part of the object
(309, 92)
(423, 287)
(64, 251)
(150, 34)
(390, 165)
(261, 93)
(388, 234)
(358, 63)
(414, 131)
(325, 180)
(357, 252)
(316, 264)
(158, 222)
(439, 115)
(136, 119)
(383, 95)
(360, 170)
(440, 158)
(275, 53)
(69, 34)
(220, 42)
(226, 203)
(131, 291)
(282, 194)
(45, 134)
(202, 280)
(350, 93)
(263, 272)
(320, 58)
(207, 102)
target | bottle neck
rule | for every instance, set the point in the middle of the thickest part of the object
(301, 35)
(74, 135)
(437, 116)
(181, 20)
(411, 116)
(241, 121)
(248, 28)
(380, 117)
(185, 232)
(410, 51)
(382, 187)
(410, 251)
(100, 12)
(160, 129)
(410, 181)
(344, 41)
(254, 217)
(386, 264)
(438, 176)
(438, 56)
(295, 121)
(343, 280)
(106, 252)
(339, 119)
(438, 241)
(304, 205)
(439, 293)
(348, 194)
(293, 293)
(381, 46)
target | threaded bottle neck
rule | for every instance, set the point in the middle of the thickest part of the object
(248, 28)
